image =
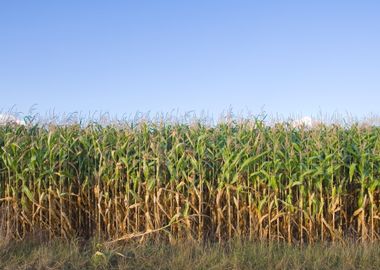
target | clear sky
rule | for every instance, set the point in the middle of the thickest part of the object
(285, 57)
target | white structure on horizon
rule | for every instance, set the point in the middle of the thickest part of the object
(305, 121)
(8, 118)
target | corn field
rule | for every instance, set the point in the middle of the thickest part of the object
(196, 181)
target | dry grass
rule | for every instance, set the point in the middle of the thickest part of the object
(35, 253)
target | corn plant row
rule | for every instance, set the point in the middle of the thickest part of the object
(196, 181)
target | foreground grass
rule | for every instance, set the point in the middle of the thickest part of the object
(62, 254)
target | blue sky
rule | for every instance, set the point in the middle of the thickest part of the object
(285, 57)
